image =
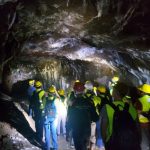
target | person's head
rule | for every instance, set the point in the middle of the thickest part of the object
(115, 79)
(120, 90)
(31, 82)
(61, 92)
(38, 84)
(78, 88)
(77, 81)
(101, 89)
(144, 89)
(51, 91)
(88, 85)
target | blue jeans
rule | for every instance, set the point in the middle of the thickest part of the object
(50, 134)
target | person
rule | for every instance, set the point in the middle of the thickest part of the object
(104, 94)
(30, 91)
(71, 94)
(38, 106)
(143, 107)
(103, 100)
(112, 83)
(82, 113)
(51, 118)
(70, 100)
(89, 89)
(90, 95)
(128, 138)
(62, 113)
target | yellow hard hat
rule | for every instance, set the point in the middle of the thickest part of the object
(145, 88)
(51, 89)
(102, 89)
(61, 92)
(77, 81)
(31, 82)
(38, 84)
(115, 79)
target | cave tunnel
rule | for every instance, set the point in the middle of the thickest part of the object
(58, 42)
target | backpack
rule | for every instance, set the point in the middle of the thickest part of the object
(51, 111)
(35, 99)
(125, 132)
(122, 117)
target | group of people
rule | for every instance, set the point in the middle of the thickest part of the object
(89, 116)
(49, 111)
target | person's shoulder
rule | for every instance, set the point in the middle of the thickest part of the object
(97, 98)
(118, 102)
(42, 92)
(88, 102)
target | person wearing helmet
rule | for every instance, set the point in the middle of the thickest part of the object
(104, 98)
(38, 106)
(112, 83)
(88, 85)
(104, 94)
(143, 108)
(90, 95)
(62, 113)
(30, 91)
(70, 100)
(71, 94)
(51, 117)
(112, 123)
(82, 113)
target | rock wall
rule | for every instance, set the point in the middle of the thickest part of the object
(23, 19)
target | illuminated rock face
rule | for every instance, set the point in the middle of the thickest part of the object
(58, 71)
(59, 41)
(59, 28)
(63, 60)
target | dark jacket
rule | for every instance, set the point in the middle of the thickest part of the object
(82, 113)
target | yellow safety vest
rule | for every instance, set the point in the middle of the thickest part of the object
(41, 94)
(145, 101)
(97, 101)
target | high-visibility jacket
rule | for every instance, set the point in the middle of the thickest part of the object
(94, 99)
(97, 101)
(145, 102)
(110, 114)
(41, 94)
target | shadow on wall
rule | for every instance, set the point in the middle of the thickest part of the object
(10, 114)
(19, 90)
